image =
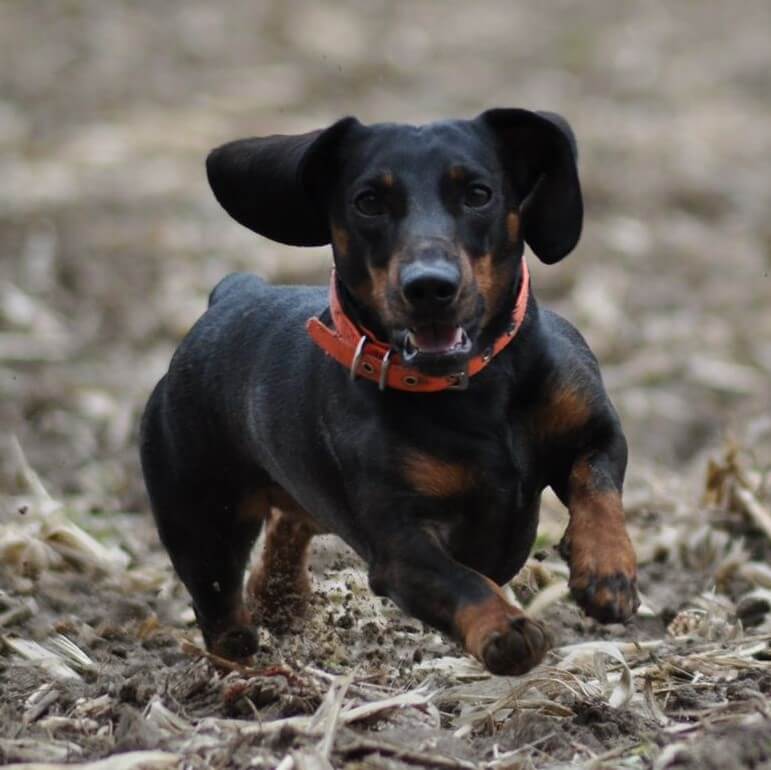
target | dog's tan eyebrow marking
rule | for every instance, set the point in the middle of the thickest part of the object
(387, 178)
(457, 173)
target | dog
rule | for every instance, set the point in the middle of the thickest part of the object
(416, 408)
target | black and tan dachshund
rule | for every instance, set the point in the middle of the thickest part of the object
(416, 407)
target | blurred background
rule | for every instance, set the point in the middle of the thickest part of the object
(110, 239)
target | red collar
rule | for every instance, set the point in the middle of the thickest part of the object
(365, 356)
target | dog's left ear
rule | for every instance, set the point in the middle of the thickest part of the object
(275, 185)
(539, 153)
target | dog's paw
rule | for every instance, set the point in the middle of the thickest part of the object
(277, 603)
(516, 649)
(237, 643)
(607, 598)
(603, 572)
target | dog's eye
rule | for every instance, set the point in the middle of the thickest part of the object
(477, 196)
(369, 204)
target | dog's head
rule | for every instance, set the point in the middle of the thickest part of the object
(427, 223)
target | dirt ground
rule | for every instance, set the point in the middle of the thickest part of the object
(109, 244)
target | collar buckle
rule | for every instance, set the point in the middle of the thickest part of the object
(459, 380)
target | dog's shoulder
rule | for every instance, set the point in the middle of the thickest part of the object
(568, 351)
(571, 398)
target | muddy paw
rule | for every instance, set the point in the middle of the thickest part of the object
(518, 649)
(609, 599)
(280, 612)
(237, 643)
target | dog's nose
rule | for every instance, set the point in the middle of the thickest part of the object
(430, 287)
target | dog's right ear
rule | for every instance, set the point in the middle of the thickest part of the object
(273, 185)
(539, 153)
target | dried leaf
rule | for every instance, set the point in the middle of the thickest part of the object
(49, 661)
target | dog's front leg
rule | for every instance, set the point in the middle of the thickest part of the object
(425, 581)
(596, 545)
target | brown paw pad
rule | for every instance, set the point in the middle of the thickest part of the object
(237, 643)
(518, 649)
(610, 599)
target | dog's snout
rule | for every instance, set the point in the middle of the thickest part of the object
(429, 287)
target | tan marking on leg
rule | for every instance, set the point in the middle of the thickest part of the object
(280, 586)
(603, 565)
(477, 622)
(599, 542)
(255, 507)
(500, 635)
(565, 410)
(279, 498)
(434, 477)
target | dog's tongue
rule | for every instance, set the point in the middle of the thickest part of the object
(435, 338)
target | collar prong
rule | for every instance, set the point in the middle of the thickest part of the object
(384, 365)
(357, 357)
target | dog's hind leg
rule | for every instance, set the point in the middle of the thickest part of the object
(279, 586)
(208, 528)
(210, 553)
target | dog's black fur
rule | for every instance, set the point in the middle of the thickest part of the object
(437, 492)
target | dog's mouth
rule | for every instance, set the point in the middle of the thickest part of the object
(435, 346)
(435, 339)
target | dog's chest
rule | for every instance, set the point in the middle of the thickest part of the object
(492, 525)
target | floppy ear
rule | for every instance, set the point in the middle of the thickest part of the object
(274, 185)
(539, 153)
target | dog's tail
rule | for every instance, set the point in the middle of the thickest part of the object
(231, 283)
